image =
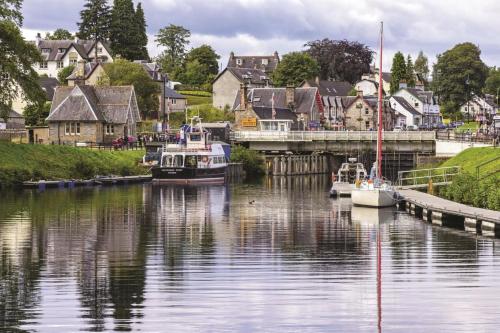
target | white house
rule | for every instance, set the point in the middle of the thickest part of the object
(480, 108)
(374, 76)
(406, 114)
(58, 54)
(367, 86)
(424, 102)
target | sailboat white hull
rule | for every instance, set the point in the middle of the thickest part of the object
(376, 197)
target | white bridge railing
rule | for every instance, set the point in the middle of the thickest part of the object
(332, 136)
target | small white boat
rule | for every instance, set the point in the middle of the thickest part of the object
(348, 174)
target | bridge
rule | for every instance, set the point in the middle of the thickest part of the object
(423, 142)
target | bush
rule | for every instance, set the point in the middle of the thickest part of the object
(253, 162)
(467, 190)
(13, 176)
(83, 169)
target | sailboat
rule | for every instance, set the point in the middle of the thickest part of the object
(376, 192)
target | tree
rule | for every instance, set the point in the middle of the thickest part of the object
(124, 31)
(340, 60)
(64, 73)
(123, 72)
(422, 66)
(410, 72)
(59, 34)
(196, 73)
(142, 37)
(36, 113)
(459, 74)
(294, 68)
(174, 39)
(95, 20)
(398, 71)
(17, 76)
(492, 84)
(207, 57)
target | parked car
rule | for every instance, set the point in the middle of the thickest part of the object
(424, 127)
(398, 129)
(411, 127)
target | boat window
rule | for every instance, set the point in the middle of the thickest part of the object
(178, 161)
(191, 161)
(167, 160)
(195, 137)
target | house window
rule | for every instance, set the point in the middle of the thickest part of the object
(44, 65)
(174, 101)
(99, 50)
(416, 104)
(60, 64)
(367, 124)
(73, 58)
(265, 62)
(367, 111)
(72, 128)
(61, 50)
(110, 129)
(45, 50)
(239, 62)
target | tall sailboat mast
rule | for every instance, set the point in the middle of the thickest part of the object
(380, 108)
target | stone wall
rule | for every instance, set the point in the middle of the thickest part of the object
(89, 132)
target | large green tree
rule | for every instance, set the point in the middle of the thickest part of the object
(492, 84)
(459, 74)
(206, 56)
(124, 31)
(95, 20)
(422, 66)
(398, 71)
(340, 60)
(174, 39)
(294, 68)
(122, 72)
(410, 72)
(36, 113)
(142, 37)
(17, 76)
(59, 34)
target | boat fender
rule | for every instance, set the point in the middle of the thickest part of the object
(204, 159)
(333, 177)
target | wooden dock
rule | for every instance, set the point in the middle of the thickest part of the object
(442, 212)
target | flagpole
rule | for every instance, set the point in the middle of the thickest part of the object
(380, 100)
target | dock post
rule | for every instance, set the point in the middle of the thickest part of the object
(437, 218)
(472, 225)
(408, 205)
(307, 165)
(289, 163)
(488, 228)
(425, 215)
(412, 209)
(276, 165)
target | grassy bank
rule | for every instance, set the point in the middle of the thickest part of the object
(20, 162)
(466, 188)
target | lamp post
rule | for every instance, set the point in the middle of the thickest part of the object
(467, 83)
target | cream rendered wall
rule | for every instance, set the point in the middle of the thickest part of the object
(225, 90)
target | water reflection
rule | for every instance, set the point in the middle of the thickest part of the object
(274, 256)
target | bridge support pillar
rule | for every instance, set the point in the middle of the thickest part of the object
(437, 218)
(488, 228)
(472, 225)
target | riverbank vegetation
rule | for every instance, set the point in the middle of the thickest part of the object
(253, 161)
(472, 188)
(22, 162)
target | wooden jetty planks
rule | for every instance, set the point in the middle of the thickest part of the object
(438, 204)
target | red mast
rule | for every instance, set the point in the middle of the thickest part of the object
(380, 108)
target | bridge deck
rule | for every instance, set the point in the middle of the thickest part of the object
(450, 207)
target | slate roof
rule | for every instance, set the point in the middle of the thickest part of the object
(88, 70)
(48, 85)
(331, 88)
(171, 93)
(13, 115)
(255, 62)
(407, 106)
(109, 104)
(386, 76)
(349, 100)
(281, 113)
(256, 76)
(423, 96)
(261, 97)
(83, 47)
(152, 68)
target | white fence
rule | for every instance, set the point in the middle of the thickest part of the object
(332, 136)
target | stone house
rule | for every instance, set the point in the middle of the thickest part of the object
(96, 114)
(328, 88)
(361, 113)
(227, 84)
(88, 74)
(267, 64)
(58, 54)
(334, 111)
(14, 121)
(174, 102)
(294, 108)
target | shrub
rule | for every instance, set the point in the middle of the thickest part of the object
(83, 169)
(253, 162)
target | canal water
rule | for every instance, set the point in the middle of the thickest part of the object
(274, 256)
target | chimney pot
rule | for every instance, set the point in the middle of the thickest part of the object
(290, 95)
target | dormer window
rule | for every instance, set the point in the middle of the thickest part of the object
(45, 50)
(416, 104)
(61, 50)
(239, 62)
(265, 62)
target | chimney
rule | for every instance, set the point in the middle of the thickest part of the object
(317, 80)
(231, 55)
(38, 39)
(290, 95)
(403, 84)
(359, 93)
(276, 56)
(75, 40)
(80, 69)
(243, 96)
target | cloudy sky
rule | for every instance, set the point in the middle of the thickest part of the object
(263, 26)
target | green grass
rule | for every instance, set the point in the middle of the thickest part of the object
(195, 93)
(198, 100)
(21, 162)
(473, 126)
(470, 158)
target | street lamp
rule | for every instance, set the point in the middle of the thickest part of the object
(467, 83)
